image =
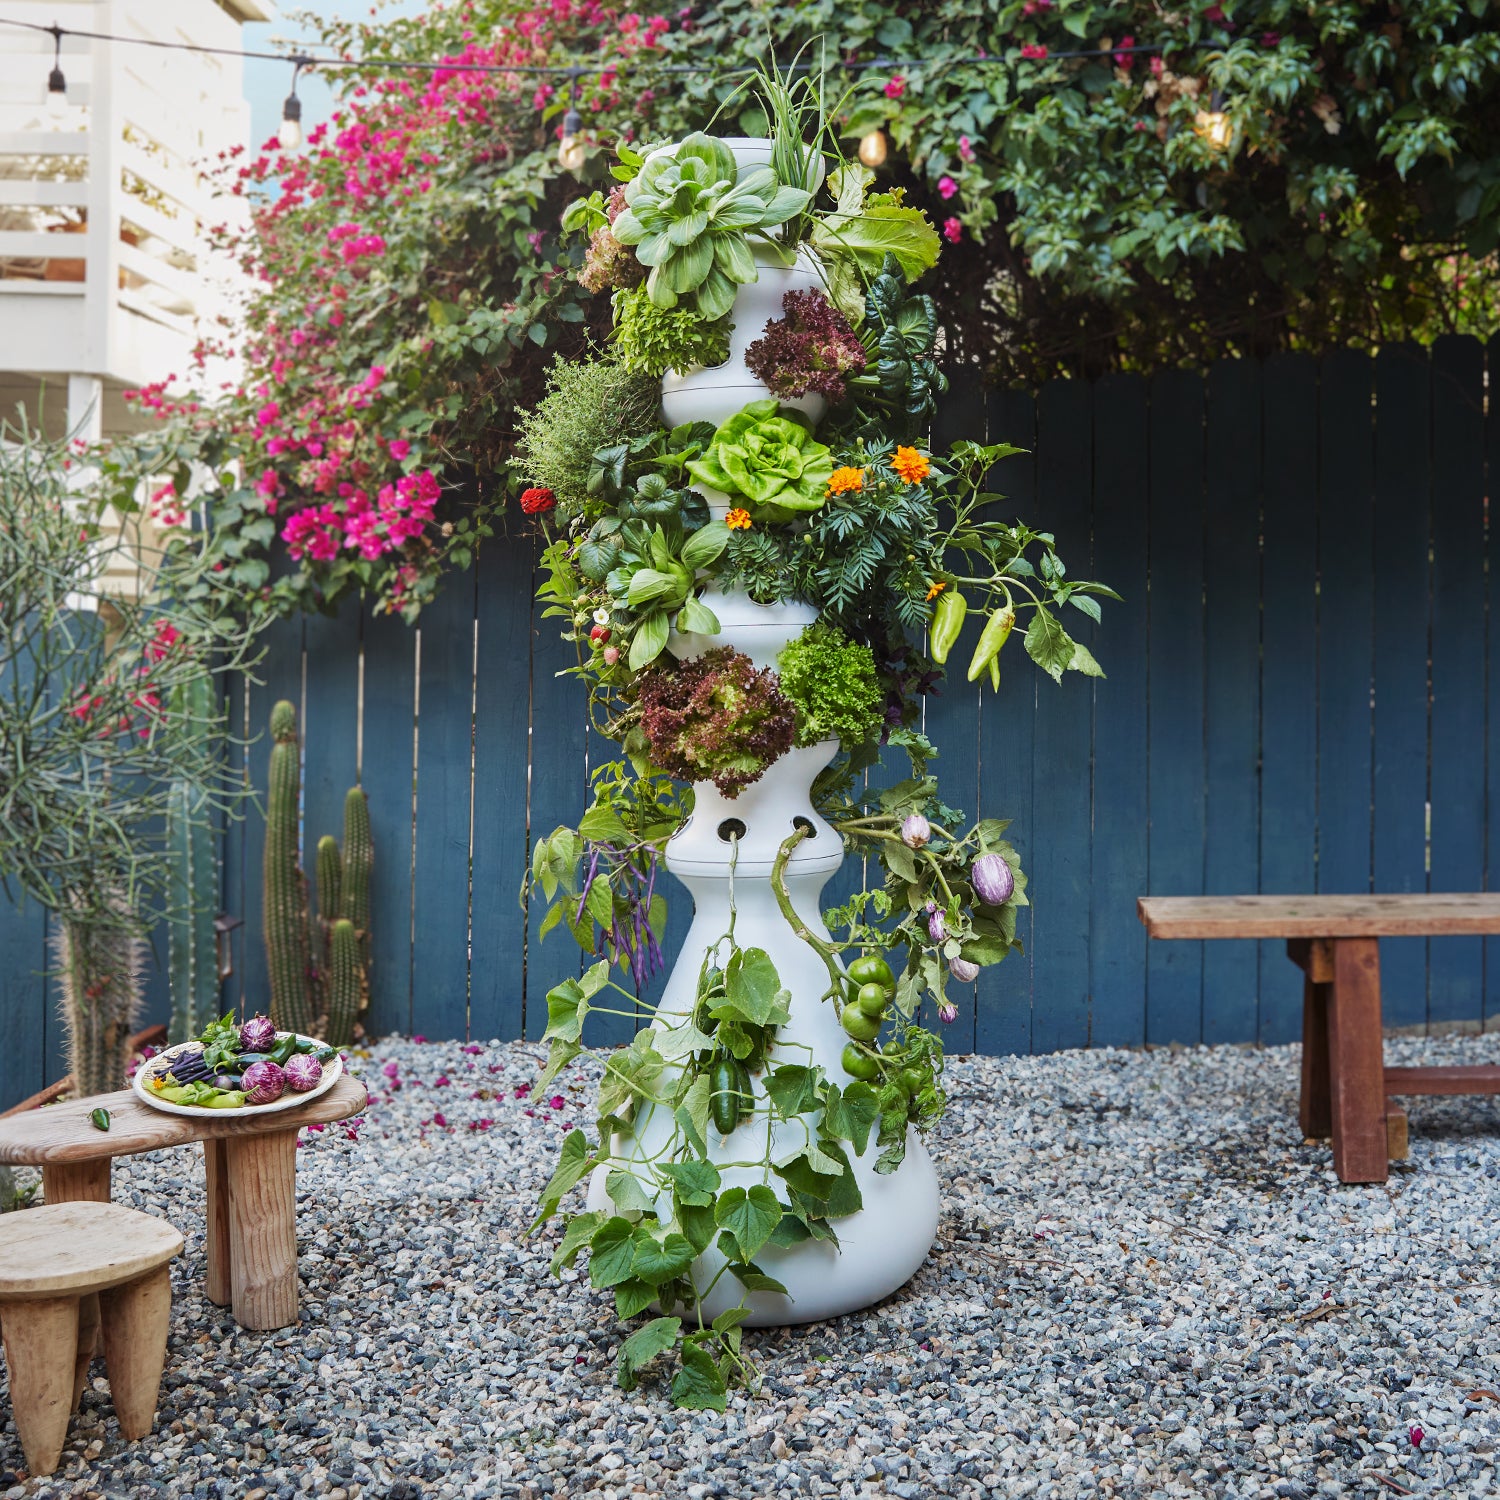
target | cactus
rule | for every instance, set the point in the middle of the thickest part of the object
(359, 863)
(319, 966)
(293, 978)
(98, 966)
(193, 889)
(344, 982)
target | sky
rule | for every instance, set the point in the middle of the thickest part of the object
(268, 83)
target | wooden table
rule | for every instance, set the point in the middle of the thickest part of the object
(250, 1161)
(1335, 941)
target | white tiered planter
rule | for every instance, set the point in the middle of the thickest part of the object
(882, 1245)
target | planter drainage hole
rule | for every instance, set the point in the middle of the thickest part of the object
(800, 823)
(731, 828)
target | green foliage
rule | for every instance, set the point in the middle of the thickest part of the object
(767, 460)
(833, 685)
(650, 340)
(589, 404)
(691, 213)
(1096, 227)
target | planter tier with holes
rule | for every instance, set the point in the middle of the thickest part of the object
(884, 1244)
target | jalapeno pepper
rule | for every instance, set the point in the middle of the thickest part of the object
(947, 621)
(991, 639)
(99, 1118)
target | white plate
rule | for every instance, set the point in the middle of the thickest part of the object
(153, 1067)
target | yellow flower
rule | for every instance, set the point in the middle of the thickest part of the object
(911, 465)
(935, 588)
(845, 479)
(738, 520)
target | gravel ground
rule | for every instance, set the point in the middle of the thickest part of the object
(1146, 1285)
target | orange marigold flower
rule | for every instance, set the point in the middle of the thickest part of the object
(911, 465)
(845, 479)
(935, 588)
(738, 520)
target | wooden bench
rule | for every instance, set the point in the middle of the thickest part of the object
(70, 1272)
(1335, 940)
(250, 1161)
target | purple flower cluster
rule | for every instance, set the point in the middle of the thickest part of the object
(810, 350)
(716, 719)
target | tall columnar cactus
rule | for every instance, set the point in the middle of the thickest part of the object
(319, 972)
(343, 983)
(98, 969)
(193, 889)
(293, 978)
(359, 865)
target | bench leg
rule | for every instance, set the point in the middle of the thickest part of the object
(262, 1173)
(88, 1342)
(135, 1318)
(218, 1284)
(1356, 1070)
(1316, 1114)
(76, 1181)
(40, 1339)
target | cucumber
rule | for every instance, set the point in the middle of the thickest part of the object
(723, 1095)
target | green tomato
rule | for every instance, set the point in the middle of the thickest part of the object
(873, 999)
(892, 1048)
(872, 969)
(859, 1064)
(860, 1026)
(913, 1081)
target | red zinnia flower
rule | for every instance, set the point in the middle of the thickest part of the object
(535, 501)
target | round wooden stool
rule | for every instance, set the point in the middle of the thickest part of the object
(68, 1272)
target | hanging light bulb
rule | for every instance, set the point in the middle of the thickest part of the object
(872, 148)
(57, 85)
(1215, 127)
(572, 149)
(290, 134)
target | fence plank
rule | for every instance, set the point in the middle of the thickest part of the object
(502, 718)
(1061, 812)
(24, 1001)
(1402, 521)
(1174, 993)
(1117, 941)
(281, 672)
(1288, 685)
(1231, 855)
(1455, 985)
(386, 772)
(1003, 1008)
(1492, 685)
(559, 795)
(445, 740)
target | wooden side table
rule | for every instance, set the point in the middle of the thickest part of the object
(1335, 940)
(67, 1272)
(250, 1162)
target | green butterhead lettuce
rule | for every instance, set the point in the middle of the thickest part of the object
(769, 461)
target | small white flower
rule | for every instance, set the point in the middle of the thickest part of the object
(601, 617)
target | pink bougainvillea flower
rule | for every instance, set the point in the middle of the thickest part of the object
(557, 1102)
(895, 87)
(953, 231)
(440, 1121)
(947, 186)
(165, 637)
(965, 148)
(1033, 52)
(1124, 59)
(399, 448)
(1416, 1435)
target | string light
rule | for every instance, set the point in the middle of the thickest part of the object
(872, 148)
(290, 133)
(57, 85)
(572, 149)
(1213, 124)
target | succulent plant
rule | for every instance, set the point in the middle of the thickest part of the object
(770, 460)
(690, 212)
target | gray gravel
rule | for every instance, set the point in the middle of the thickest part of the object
(1146, 1285)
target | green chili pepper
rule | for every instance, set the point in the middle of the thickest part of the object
(995, 673)
(99, 1118)
(991, 639)
(947, 622)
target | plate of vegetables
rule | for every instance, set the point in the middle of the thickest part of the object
(235, 1065)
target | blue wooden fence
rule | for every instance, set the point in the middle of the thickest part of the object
(1299, 699)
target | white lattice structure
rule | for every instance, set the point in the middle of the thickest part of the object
(106, 277)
